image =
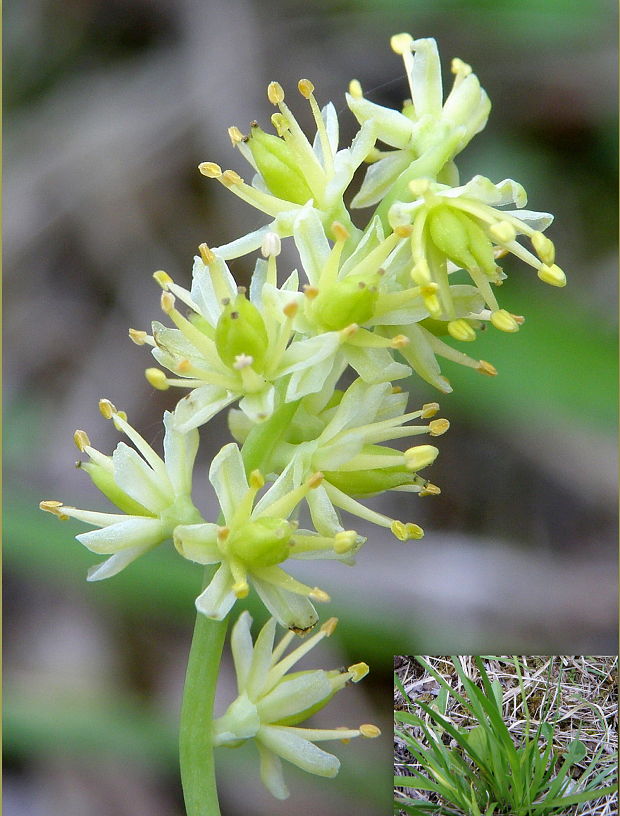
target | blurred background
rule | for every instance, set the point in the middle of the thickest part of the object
(109, 107)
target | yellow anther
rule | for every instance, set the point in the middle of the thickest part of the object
(235, 135)
(329, 627)
(257, 480)
(399, 530)
(162, 278)
(229, 178)
(487, 368)
(241, 589)
(306, 88)
(502, 232)
(429, 409)
(419, 187)
(459, 67)
(396, 389)
(370, 731)
(207, 256)
(461, 330)
(340, 232)
(317, 594)
(210, 169)
(81, 440)
(358, 671)
(138, 336)
(107, 408)
(401, 43)
(400, 341)
(275, 93)
(344, 541)
(355, 89)
(167, 301)
(504, 321)
(53, 507)
(414, 531)
(403, 231)
(552, 275)
(315, 480)
(183, 366)
(437, 427)
(544, 247)
(271, 246)
(290, 310)
(421, 456)
(310, 291)
(223, 533)
(157, 379)
(432, 304)
(430, 489)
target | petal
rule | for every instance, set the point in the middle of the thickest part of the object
(261, 660)
(299, 751)
(136, 479)
(242, 648)
(198, 542)
(329, 116)
(323, 513)
(291, 610)
(115, 563)
(311, 243)
(271, 772)
(292, 695)
(372, 237)
(426, 78)
(392, 127)
(180, 451)
(133, 532)
(200, 405)
(227, 475)
(375, 365)
(379, 178)
(421, 357)
(211, 284)
(218, 598)
(259, 407)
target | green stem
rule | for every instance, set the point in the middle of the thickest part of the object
(195, 744)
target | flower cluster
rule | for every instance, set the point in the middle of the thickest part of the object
(380, 299)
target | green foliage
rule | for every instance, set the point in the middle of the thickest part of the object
(485, 773)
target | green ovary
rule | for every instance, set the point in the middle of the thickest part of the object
(262, 543)
(348, 301)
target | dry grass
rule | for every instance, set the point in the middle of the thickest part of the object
(580, 691)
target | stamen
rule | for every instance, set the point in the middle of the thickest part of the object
(358, 671)
(157, 379)
(369, 731)
(275, 93)
(81, 440)
(437, 427)
(355, 89)
(461, 330)
(210, 169)
(235, 135)
(552, 275)
(486, 368)
(138, 336)
(504, 321)
(54, 507)
(429, 409)
(421, 456)
(207, 256)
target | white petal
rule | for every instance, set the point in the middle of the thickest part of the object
(358, 406)
(198, 542)
(347, 161)
(421, 357)
(311, 243)
(271, 772)
(261, 661)
(136, 478)
(133, 532)
(200, 405)
(115, 563)
(375, 365)
(536, 220)
(227, 475)
(292, 695)
(426, 78)
(323, 513)
(242, 648)
(259, 407)
(291, 610)
(379, 178)
(392, 127)
(180, 451)
(205, 293)
(218, 598)
(298, 750)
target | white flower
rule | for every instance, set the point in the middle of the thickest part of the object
(153, 493)
(429, 132)
(271, 702)
(254, 539)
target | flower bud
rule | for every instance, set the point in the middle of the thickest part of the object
(461, 239)
(241, 331)
(103, 479)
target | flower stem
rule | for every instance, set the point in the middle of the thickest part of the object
(195, 742)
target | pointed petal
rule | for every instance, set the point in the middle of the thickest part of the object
(115, 563)
(261, 660)
(291, 610)
(180, 451)
(198, 542)
(299, 751)
(200, 405)
(394, 128)
(133, 532)
(294, 695)
(271, 772)
(210, 284)
(379, 178)
(311, 243)
(242, 649)
(375, 365)
(259, 407)
(227, 475)
(218, 598)
(137, 479)
(323, 513)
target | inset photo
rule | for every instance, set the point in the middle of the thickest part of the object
(506, 736)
